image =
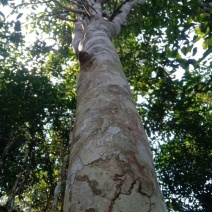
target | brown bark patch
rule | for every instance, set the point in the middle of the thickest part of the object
(92, 183)
(137, 171)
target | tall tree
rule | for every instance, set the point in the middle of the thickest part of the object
(110, 166)
(159, 38)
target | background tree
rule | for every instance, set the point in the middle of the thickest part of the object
(160, 41)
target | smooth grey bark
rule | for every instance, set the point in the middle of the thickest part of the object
(110, 165)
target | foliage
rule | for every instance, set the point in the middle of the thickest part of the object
(34, 118)
(38, 94)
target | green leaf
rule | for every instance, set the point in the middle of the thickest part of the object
(17, 26)
(186, 50)
(204, 45)
(194, 51)
(209, 41)
(19, 15)
(190, 20)
(202, 16)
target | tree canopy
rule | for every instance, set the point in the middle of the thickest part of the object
(165, 48)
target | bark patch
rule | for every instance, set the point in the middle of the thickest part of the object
(90, 210)
(92, 183)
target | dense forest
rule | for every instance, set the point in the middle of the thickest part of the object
(166, 51)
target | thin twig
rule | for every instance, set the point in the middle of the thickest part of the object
(65, 19)
(86, 8)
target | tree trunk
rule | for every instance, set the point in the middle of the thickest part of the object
(110, 166)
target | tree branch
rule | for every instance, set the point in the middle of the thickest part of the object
(120, 18)
(133, 4)
(86, 8)
(117, 10)
(75, 11)
(8, 147)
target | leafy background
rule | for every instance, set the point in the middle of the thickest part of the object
(171, 81)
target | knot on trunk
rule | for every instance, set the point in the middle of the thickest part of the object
(84, 57)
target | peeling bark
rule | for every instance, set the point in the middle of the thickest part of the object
(110, 166)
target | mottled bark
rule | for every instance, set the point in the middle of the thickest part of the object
(110, 165)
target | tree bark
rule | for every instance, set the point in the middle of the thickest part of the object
(110, 165)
